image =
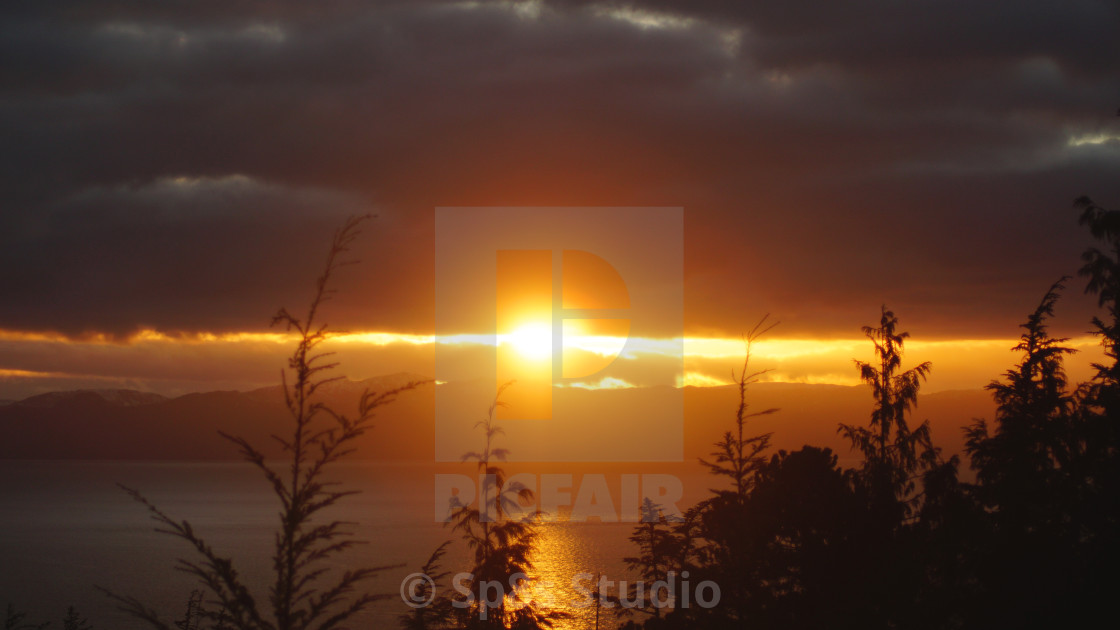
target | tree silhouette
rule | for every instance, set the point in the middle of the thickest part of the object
(1102, 408)
(809, 527)
(896, 458)
(16, 620)
(1020, 467)
(1098, 507)
(74, 621)
(438, 613)
(724, 553)
(894, 454)
(502, 546)
(1102, 268)
(1028, 482)
(737, 456)
(300, 597)
(657, 551)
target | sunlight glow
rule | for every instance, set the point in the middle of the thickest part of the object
(696, 379)
(596, 344)
(707, 361)
(1093, 139)
(532, 341)
(771, 349)
(5, 373)
(384, 338)
(607, 382)
(644, 19)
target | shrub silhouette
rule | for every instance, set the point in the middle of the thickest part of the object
(781, 542)
(300, 596)
(16, 620)
(74, 621)
(439, 611)
(657, 552)
(726, 555)
(738, 456)
(502, 546)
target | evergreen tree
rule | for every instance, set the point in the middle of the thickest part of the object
(894, 454)
(502, 546)
(1021, 467)
(1028, 483)
(74, 621)
(657, 550)
(727, 552)
(1102, 405)
(1102, 268)
(809, 525)
(896, 457)
(1098, 517)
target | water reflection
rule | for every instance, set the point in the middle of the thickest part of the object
(568, 557)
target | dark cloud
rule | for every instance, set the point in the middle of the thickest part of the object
(830, 158)
(175, 253)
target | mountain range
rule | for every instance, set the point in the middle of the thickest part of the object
(133, 425)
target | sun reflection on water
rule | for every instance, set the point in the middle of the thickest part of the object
(564, 552)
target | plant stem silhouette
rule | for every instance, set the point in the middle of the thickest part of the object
(301, 597)
(737, 456)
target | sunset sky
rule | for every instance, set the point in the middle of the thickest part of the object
(172, 172)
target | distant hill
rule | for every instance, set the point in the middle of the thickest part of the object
(80, 397)
(132, 425)
(810, 414)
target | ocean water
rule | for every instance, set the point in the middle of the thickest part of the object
(66, 528)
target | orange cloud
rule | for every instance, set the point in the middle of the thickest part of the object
(173, 363)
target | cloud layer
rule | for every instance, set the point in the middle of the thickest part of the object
(180, 166)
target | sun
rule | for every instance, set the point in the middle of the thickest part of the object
(532, 341)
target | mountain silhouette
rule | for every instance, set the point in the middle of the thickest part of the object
(132, 425)
(81, 397)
